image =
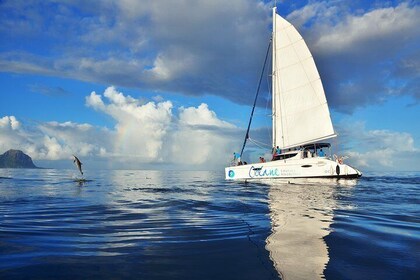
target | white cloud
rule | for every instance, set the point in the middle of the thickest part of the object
(118, 98)
(313, 10)
(9, 123)
(55, 150)
(9, 132)
(369, 31)
(140, 128)
(95, 101)
(51, 140)
(201, 116)
(145, 133)
(202, 138)
(378, 149)
(151, 133)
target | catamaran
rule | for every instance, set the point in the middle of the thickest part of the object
(301, 121)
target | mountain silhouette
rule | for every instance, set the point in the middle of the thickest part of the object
(16, 159)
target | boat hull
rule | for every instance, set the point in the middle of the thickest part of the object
(296, 168)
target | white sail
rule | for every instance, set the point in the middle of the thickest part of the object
(300, 109)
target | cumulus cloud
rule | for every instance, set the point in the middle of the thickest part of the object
(201, 116)
(140, 129)
(378, 149)
(9, 122)
(145, 133)
(152, 132)
(49, 141)
(202, 136)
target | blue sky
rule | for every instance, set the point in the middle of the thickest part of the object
(169, 84)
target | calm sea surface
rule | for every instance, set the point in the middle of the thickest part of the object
(195, 225)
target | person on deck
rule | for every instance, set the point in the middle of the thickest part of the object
(276, 153)
(321, 153)
(236, 158)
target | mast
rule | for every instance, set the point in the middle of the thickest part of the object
(273, 78)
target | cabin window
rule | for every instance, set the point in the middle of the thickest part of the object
(289, 155)
(286, 156)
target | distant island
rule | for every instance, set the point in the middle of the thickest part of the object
(16, 159)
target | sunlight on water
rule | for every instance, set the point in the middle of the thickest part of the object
(131, 224)
(301, 215)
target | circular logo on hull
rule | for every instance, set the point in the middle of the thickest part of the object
(231, 174)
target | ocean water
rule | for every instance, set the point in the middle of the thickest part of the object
(195, 225)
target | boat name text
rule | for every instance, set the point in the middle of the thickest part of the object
(261, 172)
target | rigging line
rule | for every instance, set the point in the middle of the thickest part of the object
(255, 100)
(256, 141)
(260, 144)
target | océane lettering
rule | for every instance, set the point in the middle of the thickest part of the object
(261, 172)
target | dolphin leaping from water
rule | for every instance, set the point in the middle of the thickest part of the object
(78, 164)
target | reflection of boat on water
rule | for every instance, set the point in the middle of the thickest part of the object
(301, 215)
(300, 116)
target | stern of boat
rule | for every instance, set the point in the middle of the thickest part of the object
(347, 171)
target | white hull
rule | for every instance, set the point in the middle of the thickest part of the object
(318, 167)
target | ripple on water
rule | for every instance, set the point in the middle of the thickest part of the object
(132, 221)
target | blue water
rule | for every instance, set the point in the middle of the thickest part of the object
(195, 225)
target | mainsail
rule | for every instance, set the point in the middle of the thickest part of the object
(300, 110)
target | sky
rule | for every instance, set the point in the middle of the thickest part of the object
(169, 84)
